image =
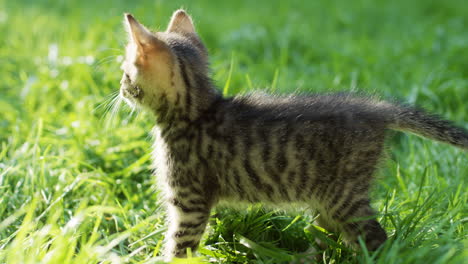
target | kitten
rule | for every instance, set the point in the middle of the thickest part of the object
(317, 150)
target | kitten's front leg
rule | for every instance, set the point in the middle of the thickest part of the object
(187, 222)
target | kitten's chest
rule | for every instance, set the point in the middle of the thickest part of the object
(179, 154)
(159, 154)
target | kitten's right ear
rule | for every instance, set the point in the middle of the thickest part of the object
(137, 32)
(181, 22)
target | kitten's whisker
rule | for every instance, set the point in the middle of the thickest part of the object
(107, 100)
(132, 111)
(113, 103)
(117, 102)
(110, 105)
(104, 61)
(113, 49)
(103, 105)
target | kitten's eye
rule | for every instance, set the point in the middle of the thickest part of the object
(127, 77)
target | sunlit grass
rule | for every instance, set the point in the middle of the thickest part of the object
(75, 175)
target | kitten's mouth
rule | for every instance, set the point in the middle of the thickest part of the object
(132, 92)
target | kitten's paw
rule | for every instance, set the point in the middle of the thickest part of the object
(311, 255)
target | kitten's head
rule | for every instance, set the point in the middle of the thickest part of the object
(164, 69)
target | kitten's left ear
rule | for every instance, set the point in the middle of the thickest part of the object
(137, 32)
(181, 22)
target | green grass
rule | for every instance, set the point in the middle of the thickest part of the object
(73, 190)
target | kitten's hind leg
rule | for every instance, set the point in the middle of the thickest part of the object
(358, 220)
(187, 222)
(328, 225)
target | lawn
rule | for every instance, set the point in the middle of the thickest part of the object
(75, 177)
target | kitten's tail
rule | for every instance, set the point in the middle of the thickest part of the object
(419, 122)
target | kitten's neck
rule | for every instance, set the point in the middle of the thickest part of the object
(169, 114)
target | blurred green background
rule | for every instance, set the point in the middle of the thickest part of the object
(76, 187)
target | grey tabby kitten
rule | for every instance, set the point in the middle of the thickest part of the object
(317, 150)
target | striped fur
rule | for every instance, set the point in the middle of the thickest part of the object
(315, 150)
